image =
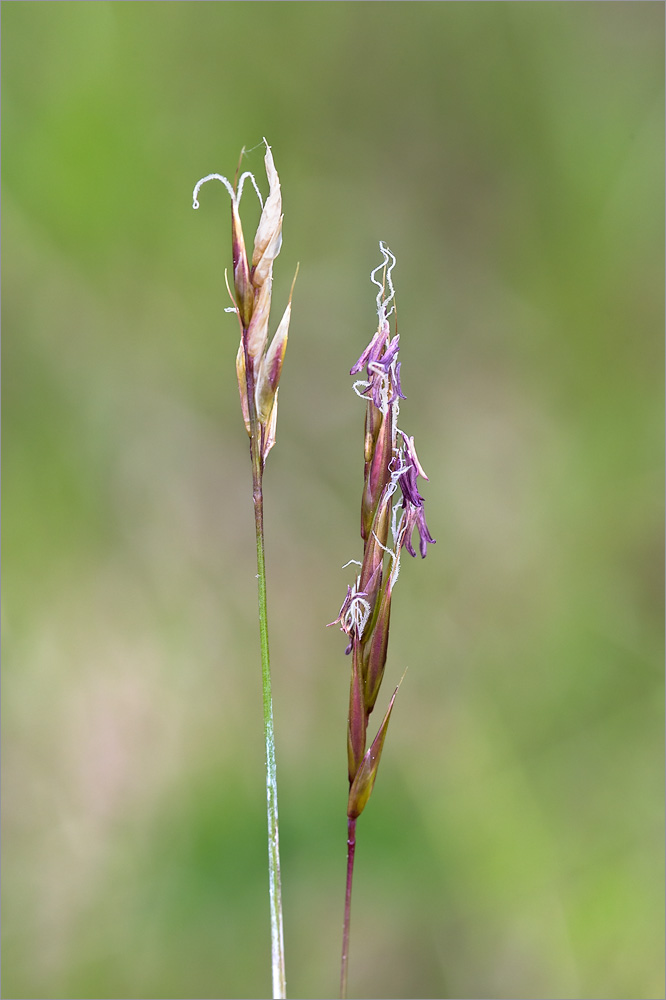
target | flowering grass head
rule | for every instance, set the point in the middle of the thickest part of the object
(258, 363)
(392, 509)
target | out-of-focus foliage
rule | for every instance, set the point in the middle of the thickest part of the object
(511, 155)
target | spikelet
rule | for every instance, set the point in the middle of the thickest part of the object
(391, 463)
(258, 363)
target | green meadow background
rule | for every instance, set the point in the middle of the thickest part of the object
(512, 156)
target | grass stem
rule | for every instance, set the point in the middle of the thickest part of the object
(351, 849)
(274, 883)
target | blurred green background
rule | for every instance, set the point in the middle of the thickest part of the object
(511, 154)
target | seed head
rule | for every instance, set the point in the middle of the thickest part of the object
(258, 364)
(390, 463)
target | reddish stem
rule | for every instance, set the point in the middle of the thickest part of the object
(351, 847)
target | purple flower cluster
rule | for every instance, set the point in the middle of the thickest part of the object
(391, 463)
(382, 389)
(412, 501)
(380, 356)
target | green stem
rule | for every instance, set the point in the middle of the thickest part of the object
(351, 848)
(274, 885)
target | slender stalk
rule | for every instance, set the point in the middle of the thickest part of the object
(351, 849)
(274, 882)
(257, 456)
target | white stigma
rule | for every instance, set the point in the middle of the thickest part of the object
(382, 302)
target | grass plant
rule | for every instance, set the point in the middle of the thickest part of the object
(387, 526)
(258, 367)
